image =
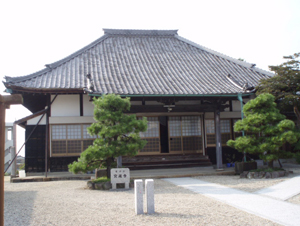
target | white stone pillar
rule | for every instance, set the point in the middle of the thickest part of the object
(149, 186)
(138, 194)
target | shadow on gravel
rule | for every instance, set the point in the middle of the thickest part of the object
(18, 207)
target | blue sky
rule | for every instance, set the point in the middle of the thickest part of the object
(35, 33)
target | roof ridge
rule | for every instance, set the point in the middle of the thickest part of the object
(51, 66)
(242, 63)
(139, 32)
(78, 52)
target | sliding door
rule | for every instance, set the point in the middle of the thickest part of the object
(185, 134)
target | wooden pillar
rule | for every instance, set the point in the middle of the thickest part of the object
(47, 135)
(218, 140)
(203, 134)
(5, 102)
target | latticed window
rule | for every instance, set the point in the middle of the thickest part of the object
(210, 131)
(69, 140)
(86, 134)
(225, 130)
(191, 126)
(185, 134)
(152, 129)
(175, 126)
(175, 134)
(151, 135)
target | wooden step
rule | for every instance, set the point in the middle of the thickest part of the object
(165, 161)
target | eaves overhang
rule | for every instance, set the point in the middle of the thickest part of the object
(176, 95)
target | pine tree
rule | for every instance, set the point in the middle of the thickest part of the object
(266, 130)
(117, 134)
(285, 85)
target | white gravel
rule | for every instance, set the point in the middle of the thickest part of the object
(69, 203)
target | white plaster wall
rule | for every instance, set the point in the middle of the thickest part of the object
(230, 114)
(8, 142)
(136, 102)
(71, 119)
(66, 105)
(153, 103)
(236, 105)
(223, 115)
(88, 106)
(188, 102)
(159, 103)
(35, 120)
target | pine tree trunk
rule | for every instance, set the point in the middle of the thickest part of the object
(297, 113)
(270, 164)
(109, 161)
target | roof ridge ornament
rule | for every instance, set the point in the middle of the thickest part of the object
(90, 84)
(139, 32)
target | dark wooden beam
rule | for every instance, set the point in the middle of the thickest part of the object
(177, 108)
(81, 104)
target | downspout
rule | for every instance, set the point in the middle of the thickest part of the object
(240, 98)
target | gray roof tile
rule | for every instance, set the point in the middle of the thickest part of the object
(144, 62)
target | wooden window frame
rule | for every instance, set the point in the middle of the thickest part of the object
(68, 140)
(182, 137)
(140, 152)
(206, 133)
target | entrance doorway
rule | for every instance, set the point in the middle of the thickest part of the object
(164, 134)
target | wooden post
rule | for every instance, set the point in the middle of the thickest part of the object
(218, 140)
(5, 102)
(47, 135)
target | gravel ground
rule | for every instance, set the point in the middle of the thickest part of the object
(251, 185)
(69, 203)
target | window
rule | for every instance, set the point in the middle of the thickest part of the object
(225, 131)
(70, 140)
(185, 134)
(151, 135)
(210, 131)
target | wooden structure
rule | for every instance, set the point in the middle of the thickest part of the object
(5, 102)
(191, 96)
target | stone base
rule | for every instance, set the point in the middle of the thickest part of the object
(264, 175)
(107, 186)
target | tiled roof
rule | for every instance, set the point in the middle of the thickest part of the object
(144, 62)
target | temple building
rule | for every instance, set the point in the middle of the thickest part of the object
(191, 96)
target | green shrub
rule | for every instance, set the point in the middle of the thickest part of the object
(22, 166)
(101, 179)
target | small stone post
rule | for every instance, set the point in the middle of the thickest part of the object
(149, 186)
(138, 193)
